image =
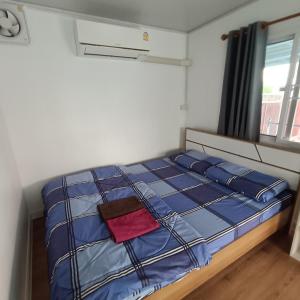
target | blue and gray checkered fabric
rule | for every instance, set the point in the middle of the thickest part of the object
(196, 161)
(251, 183)
(85, 263)
(256, 185)
(217, 212)
(198, 217)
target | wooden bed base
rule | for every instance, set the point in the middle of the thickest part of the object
(223, 258)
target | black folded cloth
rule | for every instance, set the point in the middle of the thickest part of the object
(119, 207)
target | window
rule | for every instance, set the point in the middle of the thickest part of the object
(280, 117)
(277, 65)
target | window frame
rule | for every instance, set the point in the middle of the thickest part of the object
(281, 139)
(288, 89)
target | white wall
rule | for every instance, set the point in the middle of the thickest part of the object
(65, 113)
(13, 224)
(208, 51)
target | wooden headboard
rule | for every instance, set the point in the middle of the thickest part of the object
(264, 158)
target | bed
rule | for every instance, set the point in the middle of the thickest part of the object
(211, 219)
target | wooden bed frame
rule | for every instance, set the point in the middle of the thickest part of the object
(264, 158)
(223, 259)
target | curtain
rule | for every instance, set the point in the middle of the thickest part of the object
(241, 101)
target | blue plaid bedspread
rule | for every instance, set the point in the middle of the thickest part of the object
(217, 212)
(83, 260)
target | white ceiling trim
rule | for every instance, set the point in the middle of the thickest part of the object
(185, 16)
(89, 17)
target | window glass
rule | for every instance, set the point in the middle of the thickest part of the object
(275, 76)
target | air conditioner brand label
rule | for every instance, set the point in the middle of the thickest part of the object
(146, 36)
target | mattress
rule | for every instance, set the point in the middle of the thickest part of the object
(218, 213)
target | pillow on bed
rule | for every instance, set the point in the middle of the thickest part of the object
(253, 184)
(196, 161)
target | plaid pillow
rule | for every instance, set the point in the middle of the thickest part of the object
(196, 161)
(253, 184)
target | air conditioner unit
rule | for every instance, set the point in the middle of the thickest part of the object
(106, 40)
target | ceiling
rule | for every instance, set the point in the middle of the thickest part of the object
(182, 15)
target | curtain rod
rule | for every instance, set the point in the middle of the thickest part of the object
(267, 24)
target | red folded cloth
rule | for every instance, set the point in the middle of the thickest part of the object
(131, 225)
